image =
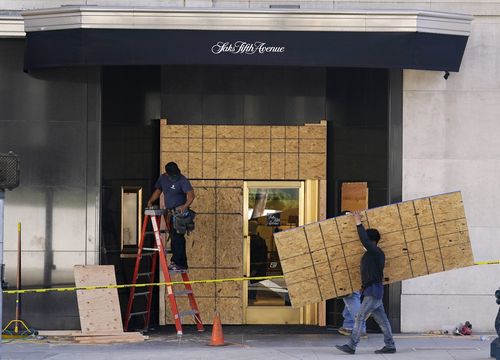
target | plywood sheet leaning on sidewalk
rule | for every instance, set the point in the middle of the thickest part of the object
(419, 237)
(99, 309)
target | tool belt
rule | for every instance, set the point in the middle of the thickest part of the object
(182, 223)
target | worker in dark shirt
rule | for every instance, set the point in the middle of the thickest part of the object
(372, 275)
(179, 195)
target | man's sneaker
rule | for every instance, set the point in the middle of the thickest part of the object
(386, 350)
(346, 348)
(343, 331)
(175, 267)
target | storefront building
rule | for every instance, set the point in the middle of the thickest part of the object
(245, 88)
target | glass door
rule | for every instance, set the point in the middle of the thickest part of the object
(270, 207)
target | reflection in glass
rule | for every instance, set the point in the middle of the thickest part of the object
(271, 210)
(131, 216)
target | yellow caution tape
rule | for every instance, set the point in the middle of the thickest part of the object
(259, 278)
(75, 288)
(491, 262)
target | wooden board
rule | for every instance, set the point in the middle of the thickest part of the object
(354, 196)
(419, 237)
(129, 337)
(99, 309)
(246, 151)
(217, 159)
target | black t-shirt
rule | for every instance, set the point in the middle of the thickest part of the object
(174, 191)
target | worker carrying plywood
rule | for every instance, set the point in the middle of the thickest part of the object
(372, 275)
(179, 195)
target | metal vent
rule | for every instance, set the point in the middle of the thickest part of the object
(9, 171)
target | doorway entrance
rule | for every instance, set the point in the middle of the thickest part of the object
(271, 207)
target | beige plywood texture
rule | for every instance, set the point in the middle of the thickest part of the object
(419, 237)
(217, 159)
(99, 309)
(246, 151)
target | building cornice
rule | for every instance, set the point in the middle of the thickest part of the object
(95, 17)
(11, 26)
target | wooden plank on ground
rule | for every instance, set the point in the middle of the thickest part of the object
(99, 309)
(419, 237)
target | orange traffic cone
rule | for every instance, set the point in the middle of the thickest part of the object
(217, 335)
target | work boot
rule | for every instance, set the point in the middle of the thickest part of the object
(386, 350)
(346, 348)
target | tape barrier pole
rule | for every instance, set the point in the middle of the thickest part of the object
(75, 288)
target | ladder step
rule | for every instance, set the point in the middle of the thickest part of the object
(141, 293)
(150, 249)
(138, 313)
(148, 253)
(188, 313)
(144, 274)
(152, 232)
(183, 292)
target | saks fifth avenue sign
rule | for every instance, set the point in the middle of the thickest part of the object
(245, 48)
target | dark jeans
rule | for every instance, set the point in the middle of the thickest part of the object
(375, 307)
(178, 249)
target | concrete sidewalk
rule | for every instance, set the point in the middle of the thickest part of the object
(251, 342)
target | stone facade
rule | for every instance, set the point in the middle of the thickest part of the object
(450, 143)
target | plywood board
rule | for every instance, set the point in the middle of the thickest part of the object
(229, 243)
(244, 152)
(354, 196)
(257, 165)
(229, 200)
(200, 244)
(217, 159)
(229, 288)
(230, 309)
(99, 309)
(418, 237)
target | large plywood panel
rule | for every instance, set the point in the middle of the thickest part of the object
(175, 145)
(418, 237)
(230, 132)
(217, 159)
(257, 165)
(99, 309)
(313, 131)
(195, 131)
(229, 243)
(204, 199)
(230, 165)
(257, 132)
(195, 165)
(277, 166)
(312, 145)
(230, 200)
(229, 288)
(200, 244)
(202, 289)
(209, 165)
(257, 145)
(230, 309)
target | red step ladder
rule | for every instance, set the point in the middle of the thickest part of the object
(154, 215)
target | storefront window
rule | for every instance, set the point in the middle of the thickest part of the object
(271, 210)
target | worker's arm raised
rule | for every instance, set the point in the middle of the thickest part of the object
(363, 236)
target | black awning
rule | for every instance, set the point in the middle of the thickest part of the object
(95, 47)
